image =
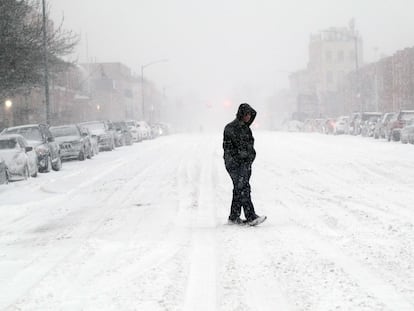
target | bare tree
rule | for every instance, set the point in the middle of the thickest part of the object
(21, 46)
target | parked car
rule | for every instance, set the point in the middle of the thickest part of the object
(111, 130)
(134, 130)
(341, 125)
(353, 123)
(397, 122)
(368, 126)
(73, 145)
(122, 129)
(100, 129)
(407, 134)
(329, 125)
(4, 175)
(19, 157)
(92, 140)
(381, 126)
(159, 129)
(319, 125)
(43, 142)
(364, 121)
(144, 129)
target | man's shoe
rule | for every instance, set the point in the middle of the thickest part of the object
(256, 221)
(236, 221)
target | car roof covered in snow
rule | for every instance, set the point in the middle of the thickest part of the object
(10, 136)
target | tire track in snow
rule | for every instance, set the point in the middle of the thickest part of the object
(308, 222)
(112, 199)
(201, 284)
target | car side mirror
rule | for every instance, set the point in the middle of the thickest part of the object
(84, 134)
(28, 149)
(50, 139)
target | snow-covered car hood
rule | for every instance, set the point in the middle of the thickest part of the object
(8, 156)
(63, 139)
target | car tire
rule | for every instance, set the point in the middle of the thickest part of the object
(5, 178)
(36, 171)
(90, 153)
(81, 156)
(58, 164)
(26, 173)
(48, 167)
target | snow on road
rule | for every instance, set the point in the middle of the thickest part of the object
(144, 228)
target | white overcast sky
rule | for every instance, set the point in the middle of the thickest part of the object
(217, 48)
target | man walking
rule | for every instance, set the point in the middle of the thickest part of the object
(239, 155)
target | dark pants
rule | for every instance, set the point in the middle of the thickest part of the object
(240, 175)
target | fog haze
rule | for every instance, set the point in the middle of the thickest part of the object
(219, 50)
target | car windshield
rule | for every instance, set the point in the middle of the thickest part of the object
(30, 133)
(8, 144)
(64, 131)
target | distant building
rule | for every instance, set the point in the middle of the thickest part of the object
(333, 54)
(114, 92)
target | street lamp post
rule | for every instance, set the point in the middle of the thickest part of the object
(142, 81)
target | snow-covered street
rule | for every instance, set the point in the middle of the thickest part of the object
(145, 228)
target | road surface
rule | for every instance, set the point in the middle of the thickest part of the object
(144, 228)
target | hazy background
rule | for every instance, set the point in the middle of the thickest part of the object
(237, 50)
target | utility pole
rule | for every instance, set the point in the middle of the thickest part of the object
(46, 60)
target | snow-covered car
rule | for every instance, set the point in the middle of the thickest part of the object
(125, 135)
(144, 129)
(73, 145)
(329, 126)
(159, 129)
(4, 176)
(380, 130)
(133, 129)
(407, 134)
(368, 126)
(341, 125)
(100, 129)
(20, 158)
(364, 121)
(397, 122)
(43, 142)
(91, 139)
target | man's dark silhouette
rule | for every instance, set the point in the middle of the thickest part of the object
(239, 155)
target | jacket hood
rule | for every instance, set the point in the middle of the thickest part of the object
(245, 109)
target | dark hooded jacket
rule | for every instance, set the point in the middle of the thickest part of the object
(238, 141)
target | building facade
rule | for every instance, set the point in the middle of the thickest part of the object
(333, 54)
